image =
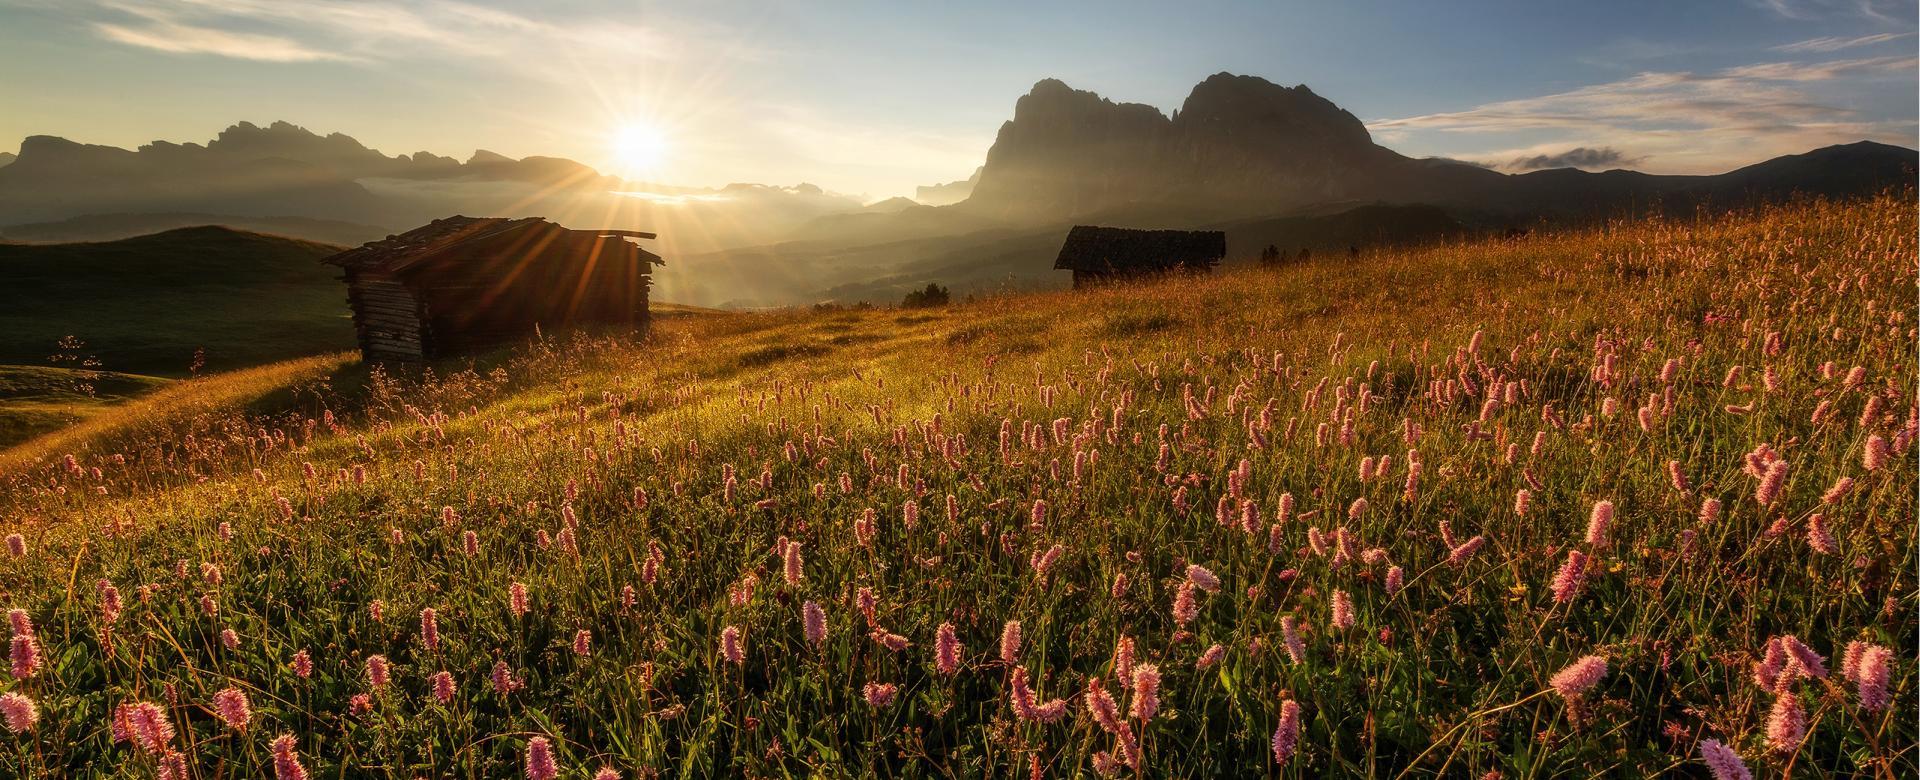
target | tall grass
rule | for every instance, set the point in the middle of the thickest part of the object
(1063, 461)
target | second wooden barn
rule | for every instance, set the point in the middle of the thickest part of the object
(465, 284)
(1101, 255)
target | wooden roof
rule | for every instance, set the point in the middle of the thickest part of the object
(1110, 249)
(397, 252)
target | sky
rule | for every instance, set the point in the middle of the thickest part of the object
(874, 98)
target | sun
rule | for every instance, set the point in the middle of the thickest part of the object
(639, 149)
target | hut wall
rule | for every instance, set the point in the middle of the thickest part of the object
(482, 300)
(389, 318)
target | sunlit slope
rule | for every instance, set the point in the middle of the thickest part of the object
(1574, 505)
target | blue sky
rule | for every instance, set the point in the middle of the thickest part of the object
(876, 97)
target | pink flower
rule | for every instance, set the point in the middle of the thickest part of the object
(814, 622)
(517, 599)
(606, 773)
(733, 646)
(1202, 578)
(1803, 658)
(1579, 677)
(1286, 735)
(232, 705)
(302, 665)
(26, 656)
(583, 643)
(1787, 723)
(1572, 576)
(1010, 643)
(1024, 700)
(1342, 610)
(1146, 691)
(1185, 608)
(1723, 762)
(16, 545)
(1123, 660)
(20, 621)
(149, 727)
(443, 687)
(1871, 677)
(429, 630)
(540, 764)
(19, 712)
(792, 564)
(1397, 579)
(946, 650)
(503, 680)
(1838, 491)
(1290, 638)
(1597, 524)
(1819, 537)
(880, 695)
(1460, 554)
(1101, 706)
(1876, 453)
(1522, 499)
(1210, 657)
(378, 671)
(1770, 484)
(286, 760)
(1709, 510)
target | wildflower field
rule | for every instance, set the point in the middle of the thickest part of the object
(1626, 501)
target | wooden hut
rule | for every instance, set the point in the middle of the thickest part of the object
(463, 284)
(1100, 255)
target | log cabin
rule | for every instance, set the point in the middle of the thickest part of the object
(466, 284)
(1102, 255)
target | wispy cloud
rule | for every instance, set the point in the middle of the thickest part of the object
(396, 30)
(176, 38)
(1833, 43)
(1883, 11)
(1678, 121)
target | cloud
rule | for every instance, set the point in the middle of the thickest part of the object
(1680, 121)
(1833, 43)
(393, 30)
(160, 35)
(1884, 11)
(1577, 157)
(1820, 71)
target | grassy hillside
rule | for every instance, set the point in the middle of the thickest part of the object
(143, 305)
(35, 400)
(1557, 507)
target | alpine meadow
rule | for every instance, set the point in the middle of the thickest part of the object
(1629, 500)
(1127, 389)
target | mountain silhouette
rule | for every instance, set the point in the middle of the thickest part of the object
(1243, 146)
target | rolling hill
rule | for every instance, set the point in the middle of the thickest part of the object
(144, 305)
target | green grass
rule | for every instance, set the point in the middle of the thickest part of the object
(335, 510)
(35, 400)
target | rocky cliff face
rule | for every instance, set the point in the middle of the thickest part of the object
(1238, 143)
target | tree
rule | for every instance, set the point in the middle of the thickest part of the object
(933, 295)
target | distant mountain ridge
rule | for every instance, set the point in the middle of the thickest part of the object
(281, 171)
(1243, 146)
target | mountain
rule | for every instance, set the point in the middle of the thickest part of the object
(143, 305)
(1243, 146)
(250, 173)
(7, 158)
(949, 193)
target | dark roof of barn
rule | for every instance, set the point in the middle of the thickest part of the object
(397, 252)
(1107, 249)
